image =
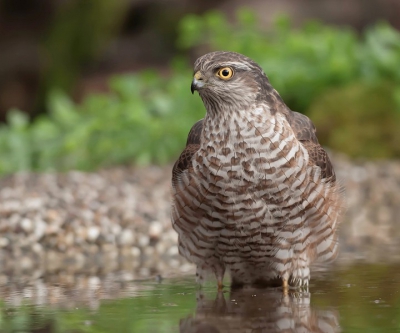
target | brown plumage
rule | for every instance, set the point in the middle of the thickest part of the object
(253, 191)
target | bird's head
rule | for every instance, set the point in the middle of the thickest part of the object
(228, 80)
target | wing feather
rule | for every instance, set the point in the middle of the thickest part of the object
(305, 132)
(192, 146)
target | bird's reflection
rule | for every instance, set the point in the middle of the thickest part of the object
(259, 310)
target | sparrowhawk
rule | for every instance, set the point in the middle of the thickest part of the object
(253, 192)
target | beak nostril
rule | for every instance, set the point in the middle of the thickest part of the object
(198, 76)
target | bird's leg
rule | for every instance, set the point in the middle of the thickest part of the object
(285, 286)
(219, 273)
(220, 284)
(200, 274)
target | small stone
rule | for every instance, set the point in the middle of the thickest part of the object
(69, 239)
(116, 229)
(172, 236)
(52, 229)
(79, 260)
(174, 263)
(143, 240)
(33, 203)
(37, 248)
(127, 276)
(173, 251)
(87, 214)
(53, 260)
(4, 242)
(92, 249)
(149, 252)
(26, 225)
(135, 252)
(93, 233)
(160, 248)
(25, 263)
(155, 229)
(93, 282)
(52, 215)
(126, 237)
(186, 268)
(39, 228)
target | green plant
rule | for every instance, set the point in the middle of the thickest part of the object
(337, 78)
(300, 63)
(145, 118)
(359, 120)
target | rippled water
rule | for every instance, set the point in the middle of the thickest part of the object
(360, 298)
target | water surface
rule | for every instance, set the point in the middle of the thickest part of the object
(359, 298)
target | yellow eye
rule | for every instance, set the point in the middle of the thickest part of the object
(225, 73)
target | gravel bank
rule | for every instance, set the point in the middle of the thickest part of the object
(118, 220)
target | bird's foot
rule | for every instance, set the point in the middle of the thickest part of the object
(300, 284)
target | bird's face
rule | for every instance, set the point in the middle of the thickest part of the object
(228, 79)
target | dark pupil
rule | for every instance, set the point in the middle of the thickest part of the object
(225, 72)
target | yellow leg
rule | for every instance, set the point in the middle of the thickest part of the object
(219, 271)
(285, 286)
(220, 285)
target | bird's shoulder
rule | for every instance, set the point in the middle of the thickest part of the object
(305, 132)
(192, 146)
(195, 133)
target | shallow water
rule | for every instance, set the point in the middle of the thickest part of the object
(359, 298)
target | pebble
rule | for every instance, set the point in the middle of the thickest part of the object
(119, 218)
(135, 252)
(155, 229)
(26, 225)
(4, 242)
(143, 240)
(126, 237)
(93, 233)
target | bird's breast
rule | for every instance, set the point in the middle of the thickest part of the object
(251, 154)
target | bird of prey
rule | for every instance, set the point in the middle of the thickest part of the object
(253, 192)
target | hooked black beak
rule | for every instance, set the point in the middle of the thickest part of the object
(197, 82)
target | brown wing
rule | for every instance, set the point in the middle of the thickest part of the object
(305, 132)
(195, 133)
(192, 146)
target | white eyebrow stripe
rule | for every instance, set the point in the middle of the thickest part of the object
(239, 65)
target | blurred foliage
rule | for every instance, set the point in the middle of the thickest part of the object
(141, 119)
(349, 85)
(80, 30)
(338, 78)
(359, 119)
(300, 63)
